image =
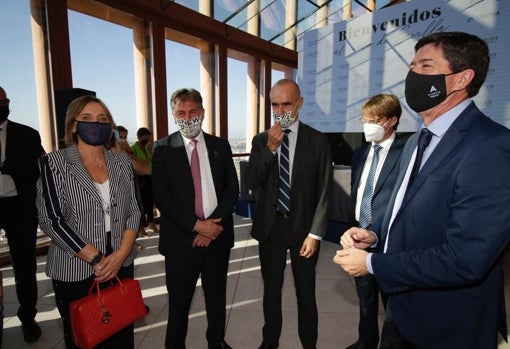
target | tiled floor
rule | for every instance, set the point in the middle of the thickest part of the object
(337, 302)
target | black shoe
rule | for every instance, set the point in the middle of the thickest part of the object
(361, 345)
(222, 345)
(31, 331)
(267, 346)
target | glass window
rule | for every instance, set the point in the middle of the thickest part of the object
(102, 61)
(182, 71)
(17, 62)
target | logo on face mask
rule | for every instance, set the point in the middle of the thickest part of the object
(189, 128)
(93, 133)
(424, 92)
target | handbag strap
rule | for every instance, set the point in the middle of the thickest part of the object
(98, 289)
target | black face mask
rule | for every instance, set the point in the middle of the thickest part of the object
(144, 142)
(93, 133)
(424, 92)
(4, 113)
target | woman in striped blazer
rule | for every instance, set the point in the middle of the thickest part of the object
(88, 207)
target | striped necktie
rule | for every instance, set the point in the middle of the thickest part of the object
(365, 212)
(284, 179)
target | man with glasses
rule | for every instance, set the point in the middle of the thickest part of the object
(20, 148)
(290, 170)
(373, 175)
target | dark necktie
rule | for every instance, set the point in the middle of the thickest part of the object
(197, 180)
(284, 179)
(365, 213)
(423, 142)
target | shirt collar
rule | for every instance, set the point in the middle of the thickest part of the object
(440, 125)
(199, 138)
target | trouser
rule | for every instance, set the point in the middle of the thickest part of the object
(20, 225)
(273, 259)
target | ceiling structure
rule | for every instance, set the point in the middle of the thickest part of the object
(274, 20)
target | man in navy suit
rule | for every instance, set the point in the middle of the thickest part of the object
(446, 228)
(297, 224)
(195, 187)
(20, 148)
(373, 175)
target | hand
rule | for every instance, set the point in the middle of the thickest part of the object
(358, 238)
(108, 267)
(201, 241)
(209, 228)
(352, 260)
(275, 136)
(309, 247)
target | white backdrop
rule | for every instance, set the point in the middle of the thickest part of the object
(343, 64)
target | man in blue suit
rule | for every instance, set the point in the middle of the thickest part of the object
(446, 228)
(373, 175)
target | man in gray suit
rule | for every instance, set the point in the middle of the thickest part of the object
(290, 171)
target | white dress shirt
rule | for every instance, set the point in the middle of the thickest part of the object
(7, 186)
(209, 198)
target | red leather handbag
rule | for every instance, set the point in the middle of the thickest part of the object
(103, 313)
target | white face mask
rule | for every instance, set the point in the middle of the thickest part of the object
(374, 132)
(189, 128)
(285, 119)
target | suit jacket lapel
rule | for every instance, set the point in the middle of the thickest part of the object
(302, 147)
(446, 146)
(407, 153)
(359, 170)
(79, 173)
(389, 163)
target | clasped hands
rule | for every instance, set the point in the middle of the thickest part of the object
(352, 258)
(207, 230)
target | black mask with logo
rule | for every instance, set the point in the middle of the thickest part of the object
(4, 113)
(424, 92)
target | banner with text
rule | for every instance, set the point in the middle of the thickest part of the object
(342, 65)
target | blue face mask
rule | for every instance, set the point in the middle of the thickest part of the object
(93, 133)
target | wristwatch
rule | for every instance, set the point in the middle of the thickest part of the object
(96, 259)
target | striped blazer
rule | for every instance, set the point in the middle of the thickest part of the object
(71, 211)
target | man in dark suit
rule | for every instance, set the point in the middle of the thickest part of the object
(373, 175)
(446, 227)
(20, 149)
(291, 178)
(195, 187)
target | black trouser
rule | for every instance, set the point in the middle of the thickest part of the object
(273, 259)
(368, 294)
(66, 292)
(182, 273)
(20, 225)
(147, 199)
(390, 335)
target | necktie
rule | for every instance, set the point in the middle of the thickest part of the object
(423, 142)
(365, 214)
(197, 180)
(284, 179)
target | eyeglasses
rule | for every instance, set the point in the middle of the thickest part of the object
(373, 121)
(4, 102)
